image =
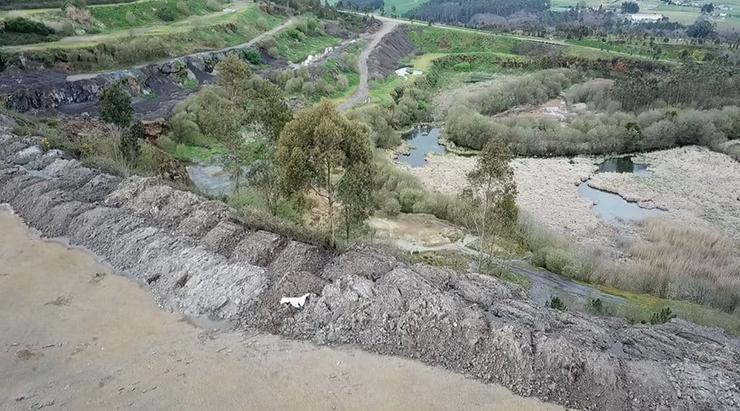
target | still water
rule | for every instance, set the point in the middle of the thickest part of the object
(422, 140)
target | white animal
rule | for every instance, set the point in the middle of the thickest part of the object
(296, 302)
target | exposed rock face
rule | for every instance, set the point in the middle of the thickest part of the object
(385, 58)
(196, 259)
(27, 90)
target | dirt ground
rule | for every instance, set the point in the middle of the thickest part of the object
(694, 184)
(679, 182)
(76, 336)
(547, 191)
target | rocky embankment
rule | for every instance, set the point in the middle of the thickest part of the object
(49, 90)
(196, 258)
(385, 58)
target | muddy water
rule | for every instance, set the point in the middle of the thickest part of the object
(422, 141)
(611, 207)
(76, 336)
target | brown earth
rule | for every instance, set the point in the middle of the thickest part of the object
(76, 336)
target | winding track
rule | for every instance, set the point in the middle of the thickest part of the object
(250, 43)
(361, 93)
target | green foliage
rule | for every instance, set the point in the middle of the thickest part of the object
(234, 29)
(129, 146)
(232, 74)
(596, 306)
(80, 4)
(19, 30)
(491, 191)
(379, 120)
(630, 7)
(662, 316)
(114, 105)
(557, 304)
(319, 149)
(253, 57)
(266, 108)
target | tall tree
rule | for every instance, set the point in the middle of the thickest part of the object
(114, 106)
(221, 120)
(492, 191)
(630, 7)
(321, 150)
(267, 109)
(232, 73)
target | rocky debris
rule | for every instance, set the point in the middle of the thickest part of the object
(384, 59)
(172, 243)
(155, 128)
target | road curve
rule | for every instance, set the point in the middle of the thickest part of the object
(250, 43)
(360, 95)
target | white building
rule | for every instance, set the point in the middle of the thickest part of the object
(646, 17)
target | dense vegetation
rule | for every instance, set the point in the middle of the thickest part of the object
(132, 50)
(39, 4)
(634, 112)
(20, 30)
(461, 12)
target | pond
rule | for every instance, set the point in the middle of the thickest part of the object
(611, 207)
(422, 140)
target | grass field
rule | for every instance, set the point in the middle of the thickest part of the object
(679, 13)
(126, 48)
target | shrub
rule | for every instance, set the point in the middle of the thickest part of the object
(391, 207)
(595, 306)
(23, 25)
(167, 12)
(213, 5)
(557, 304)
(129, 146)
(294, 85)
(662, 316)
(115, 105)
(253, 57)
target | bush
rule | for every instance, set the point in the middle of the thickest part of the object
(253, 57)
(129, 146)
(557, 304)
(26, 26)
(391, 207)
(662, 316)
(114, 105)
(167, 12)
(595, 306)
(214, 5)
(464, 66)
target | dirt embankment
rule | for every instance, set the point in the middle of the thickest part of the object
(77, 336)
(195, 259)
(386, 57)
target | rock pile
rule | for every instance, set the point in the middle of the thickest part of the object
(196, 258)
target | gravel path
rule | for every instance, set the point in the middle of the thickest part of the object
(360, 95)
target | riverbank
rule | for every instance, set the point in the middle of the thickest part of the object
(678, 181)
(78, 336)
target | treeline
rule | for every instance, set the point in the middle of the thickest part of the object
(444, 11)
(529, 89)
(692, 104)
(360, 5)
(47, 4)
(619, 132)
(19, 30)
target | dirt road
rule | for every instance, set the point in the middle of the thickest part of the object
(76, 336)
(361, 93)
(250, 43)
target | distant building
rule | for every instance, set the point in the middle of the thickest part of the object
(645, 17)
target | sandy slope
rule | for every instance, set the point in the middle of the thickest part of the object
(75, 336)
